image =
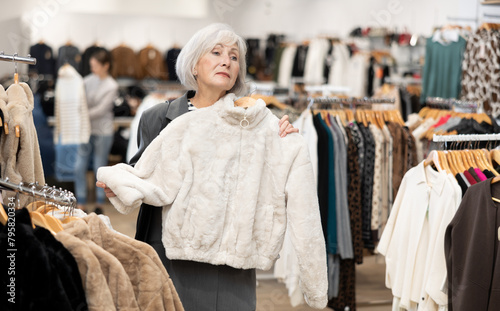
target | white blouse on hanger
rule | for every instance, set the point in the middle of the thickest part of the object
(413, 239)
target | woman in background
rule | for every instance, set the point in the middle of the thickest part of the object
(101, 91)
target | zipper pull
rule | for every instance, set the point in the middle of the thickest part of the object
(244, 123)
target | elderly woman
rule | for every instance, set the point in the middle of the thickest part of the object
(212, 66)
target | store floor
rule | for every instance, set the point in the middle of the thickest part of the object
(272, 295)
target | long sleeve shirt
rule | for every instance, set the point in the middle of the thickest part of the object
(101, 95)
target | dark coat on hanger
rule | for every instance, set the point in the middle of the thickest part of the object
(45, 62)
(38, 285)
(472, 251)
(153, 121)
(62, 261)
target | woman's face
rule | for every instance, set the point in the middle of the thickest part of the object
(218, 69)
(97, 68)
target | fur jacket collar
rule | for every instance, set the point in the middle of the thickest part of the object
(230, 187)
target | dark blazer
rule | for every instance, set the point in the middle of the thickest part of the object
(472, 251)
(45, 62)
(153, 121)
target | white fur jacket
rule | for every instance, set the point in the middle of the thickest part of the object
(230, 186)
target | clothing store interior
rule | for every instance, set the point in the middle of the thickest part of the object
(378, 191)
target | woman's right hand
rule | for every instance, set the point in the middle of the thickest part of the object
(109, 193)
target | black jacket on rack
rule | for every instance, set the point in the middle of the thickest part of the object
(170, 60)
(299, 63)
(69, 54)
(323, 161)
(62, 261)
(38, 284)
(45, 63)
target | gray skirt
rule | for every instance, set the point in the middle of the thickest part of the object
(206, 287)
(203, 286)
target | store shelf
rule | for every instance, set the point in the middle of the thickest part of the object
(497, 2)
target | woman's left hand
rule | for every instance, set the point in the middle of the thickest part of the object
(285, 127)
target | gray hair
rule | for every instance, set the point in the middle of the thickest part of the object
(202, 42)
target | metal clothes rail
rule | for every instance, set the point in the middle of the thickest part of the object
(352, 102)
(466, 137)
(46, 193)
(17, 59)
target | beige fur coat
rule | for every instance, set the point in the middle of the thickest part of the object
(19, 156)
(117, 279)
(231, 187)
(151, 284)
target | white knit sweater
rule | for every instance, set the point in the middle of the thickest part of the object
(71, 112)
(229, 192)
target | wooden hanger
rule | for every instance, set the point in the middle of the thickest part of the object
(460, 159)
(245, 102)
(495, 156)
(451, 162)
(54, 223)
(372, 118)
(380, 119)
(39, 220)
(33, 206)
(3, 216)
(45, 208)
(465, 159)
(325, 116)
(444, 162)
(17, 128)
(490, 26)
(433, 158)
(349, 115)
(494, 180)
(423, 112)
(480, 159)
(270, 101)
(471, 158)
(489, 163)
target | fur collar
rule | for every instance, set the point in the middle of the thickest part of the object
(247, 118)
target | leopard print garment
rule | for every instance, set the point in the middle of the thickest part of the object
(347, 286)
(481, 70)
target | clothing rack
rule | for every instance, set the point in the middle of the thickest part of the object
(327, 89)
(491, 15)
(17, 59)
(403, 80)
(465, 137)
(463, 19)
(46, 193)
(352, 102)
(438, 102)
(469, 106)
